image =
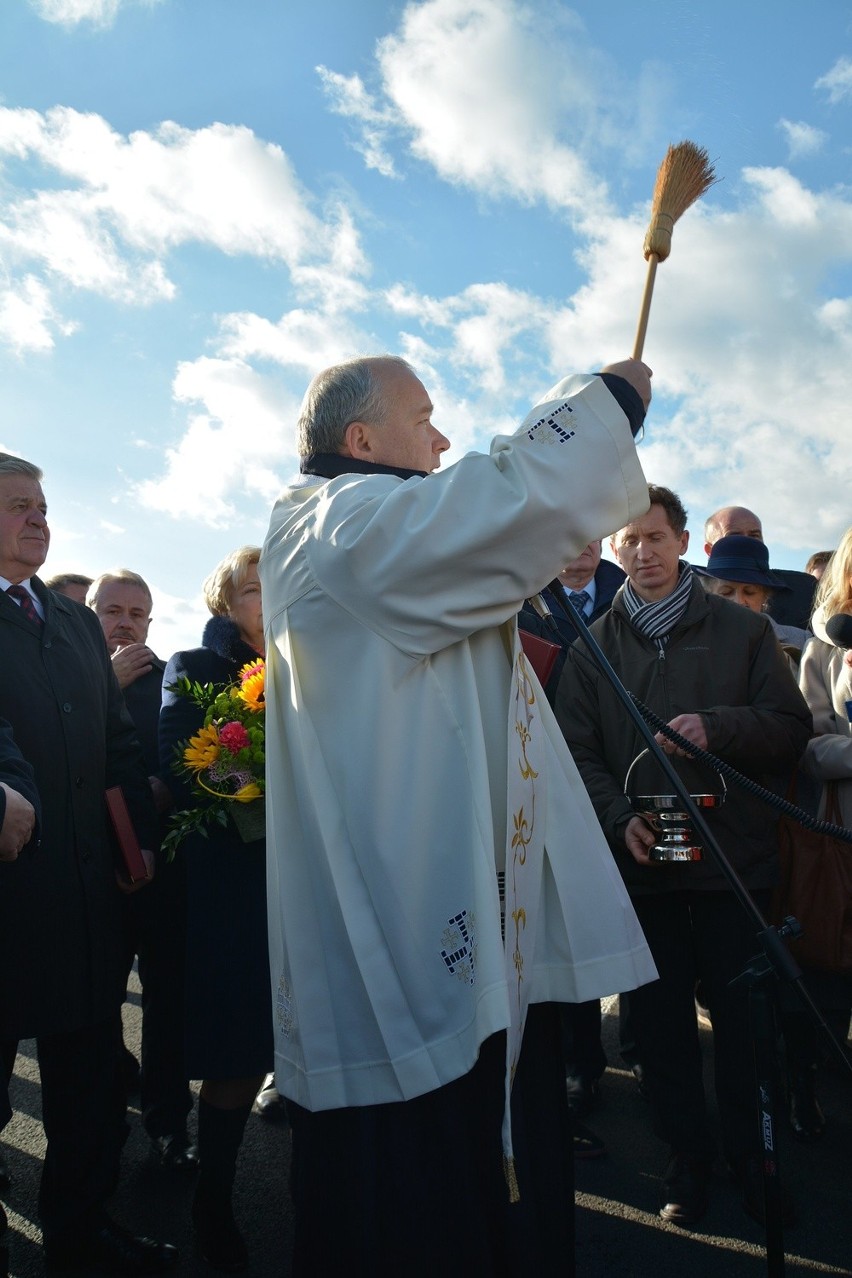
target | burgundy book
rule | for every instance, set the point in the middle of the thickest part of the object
(125, 835)
(540, 653)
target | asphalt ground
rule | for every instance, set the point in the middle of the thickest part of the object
(618, 1230)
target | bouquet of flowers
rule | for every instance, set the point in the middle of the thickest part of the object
(225, 760)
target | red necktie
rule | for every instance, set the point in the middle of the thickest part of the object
(28, 608)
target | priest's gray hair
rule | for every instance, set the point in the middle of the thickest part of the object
(345, 393)
(10, 465)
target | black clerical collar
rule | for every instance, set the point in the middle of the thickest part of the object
(330, 465)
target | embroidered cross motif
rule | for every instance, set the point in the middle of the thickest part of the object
(459, 946)
(548, 430)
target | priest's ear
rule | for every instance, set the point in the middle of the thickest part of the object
(360, 441)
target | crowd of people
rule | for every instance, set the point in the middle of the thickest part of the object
(454, 873)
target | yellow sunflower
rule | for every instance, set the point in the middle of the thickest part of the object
(202, 750)
(252, 678)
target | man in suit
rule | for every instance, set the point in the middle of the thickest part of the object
(590, 576)
(590, 583)
(60, 919)
(154, 920)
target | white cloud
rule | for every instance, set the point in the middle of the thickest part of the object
(802, 139)
(784, 198)
(63, 233)
(837, 82)
(176, 622)
(349, 97)
(127, 203)
(303, 339)
(499, 96)
(69, 13)
(27, 318)
(749, 334)
(228, 451)
(751, 348)
(486, 323)
(751, 327)
(219, 185)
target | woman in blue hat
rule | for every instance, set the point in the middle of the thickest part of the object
(738, 569)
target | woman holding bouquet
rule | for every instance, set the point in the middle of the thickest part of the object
(228, 1004)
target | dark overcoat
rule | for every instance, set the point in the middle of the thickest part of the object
(60, 934)
(17, 773)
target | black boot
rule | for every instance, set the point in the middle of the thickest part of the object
(218, 1241)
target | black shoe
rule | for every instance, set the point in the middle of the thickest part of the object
(176, 1151)
(806, 1118)
(5, 1177)
(683, 1193)
(270, 1104)
(639, 1074)
(218, 1241)
(586, 1143)
(582, 1094)
(109, 1249)
(747, 1173)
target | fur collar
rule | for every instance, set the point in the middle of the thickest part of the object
(223, 637)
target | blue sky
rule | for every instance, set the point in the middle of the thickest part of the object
(203, 203)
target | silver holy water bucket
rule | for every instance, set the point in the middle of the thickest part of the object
(665, 814)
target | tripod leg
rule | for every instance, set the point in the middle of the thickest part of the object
(766, 1074)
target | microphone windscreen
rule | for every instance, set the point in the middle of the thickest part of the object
(839, 630)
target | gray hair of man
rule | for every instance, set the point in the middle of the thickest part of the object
(345, 393)
(10, 465)
(122, 575)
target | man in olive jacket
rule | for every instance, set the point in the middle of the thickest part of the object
(714, 671)
(61, 972)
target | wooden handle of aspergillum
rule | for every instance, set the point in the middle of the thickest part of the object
(645, 309)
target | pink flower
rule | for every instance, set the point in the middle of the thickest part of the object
(233, 737)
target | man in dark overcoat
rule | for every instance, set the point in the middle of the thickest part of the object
(60, 927)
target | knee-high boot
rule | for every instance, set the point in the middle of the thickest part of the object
(220, 1134)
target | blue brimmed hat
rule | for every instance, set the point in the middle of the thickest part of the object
(742, 559)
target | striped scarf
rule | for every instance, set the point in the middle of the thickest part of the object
(658, 619)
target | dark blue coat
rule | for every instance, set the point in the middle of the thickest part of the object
(228, 1001)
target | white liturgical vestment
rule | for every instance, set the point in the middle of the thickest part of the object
(411, 757)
